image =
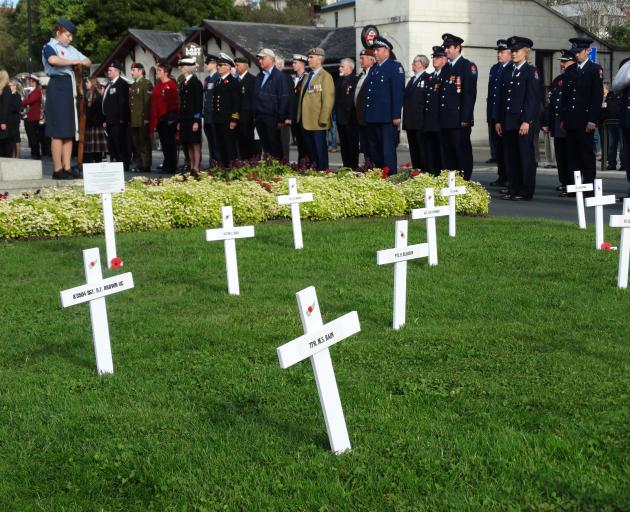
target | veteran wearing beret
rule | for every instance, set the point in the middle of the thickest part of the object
(140, 115)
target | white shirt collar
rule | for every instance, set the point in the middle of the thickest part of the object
(452, 62)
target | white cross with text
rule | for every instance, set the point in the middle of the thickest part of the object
(294, 199)
(451, 192)
(430, 212)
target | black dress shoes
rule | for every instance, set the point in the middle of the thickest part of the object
(497, 183)
(520, 197)
(506, 197)
(504, 191)
(561, 188)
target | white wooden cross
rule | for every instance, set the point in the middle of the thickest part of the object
(579, 188)
(451, 192)
(314, 343)
(229, 233)
(294, 199)
(106, 178)
(399, 256)
(623, 222)
(95, 292)
(430, 212)
(598, 201)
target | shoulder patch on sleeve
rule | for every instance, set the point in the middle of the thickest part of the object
(401, 70)
(473, 69)
(536, 74)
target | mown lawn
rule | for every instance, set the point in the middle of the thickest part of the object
(508, 389)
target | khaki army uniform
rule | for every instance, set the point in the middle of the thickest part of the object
(140, 109)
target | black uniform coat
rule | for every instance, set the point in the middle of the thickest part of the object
(226, 101)
(494, 81)
(432, 102)
(552, 110)
(458, 93)
(414, 103)
(190, 99)
(344, 99)
(582, 95)
(116, 102)
(518, 98)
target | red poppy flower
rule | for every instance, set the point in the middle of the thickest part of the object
(414, 174)
(116, 263)
(386, 169)
(402, 235)
(606, 246)
(92, 264)
(309, 309)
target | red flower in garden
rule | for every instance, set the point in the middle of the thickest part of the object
(116, 263)
(413, 174)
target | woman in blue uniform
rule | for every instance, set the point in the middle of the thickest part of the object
(58, 57)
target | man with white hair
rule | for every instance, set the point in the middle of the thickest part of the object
(413, 111)
(346, 115)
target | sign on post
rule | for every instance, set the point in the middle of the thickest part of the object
(399, 256)
(578, 189)
(105, 178)
(228, 233)
(623, 222)
(451, 192)
(294, 199)
(314, 343)
(598, 201)
(95, 292)
(430, 212)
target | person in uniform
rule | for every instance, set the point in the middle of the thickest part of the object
(347, 127)
(582, 97)
(367, 60)
(245, 130)
(552, 124)
(190, 110)
(116, 111)
(140, 112)
(299, 68)
(270, 104)
(58, 57)
(95, 142)
(431, 138)
(315, 108)
(209, 84)
(383, 104)
(621, 86)
(413, 111)
(458, 93)
(33, 102)
(504, 61)
(226, 106)
(164, 114)
(518, 103)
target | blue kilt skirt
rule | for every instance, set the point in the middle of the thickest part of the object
(59, 110)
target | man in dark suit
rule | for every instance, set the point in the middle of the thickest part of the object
(347, 127)
(458, 93)
(518, 102)
(504, 60)
(116, 111)
(245, 131)
(582, 97)
(209, 84)
(226, 104)
(367, 61)
(270, 104)
(299, 79)
(621, 86)
(413, 111)
(431, 140)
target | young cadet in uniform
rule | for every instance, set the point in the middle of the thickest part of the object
(518, 104)
(209, 84)
(245, 130)
(299, 79)
(226, 104)
(190, 108)
(552, 124)
(116, 111)
(345, 114)
(504, 60)
(458, 93)
(164, 113)
(367, 61)
(431, 136)
(383, 104)
(413, 111)
(582, 97)
(140, 114)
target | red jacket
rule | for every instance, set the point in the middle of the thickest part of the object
(164, 103)
(34, 101)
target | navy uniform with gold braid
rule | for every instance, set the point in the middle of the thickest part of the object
(209, 84)
(384, 90)
(458, 93)
(431, 134)
(226, 103)
(582, 96)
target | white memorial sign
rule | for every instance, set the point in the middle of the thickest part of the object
(451, 192)
(399, 257)
(598, 201)
(430, 212)
(106, 178)
(314, 343)
(623, 222)
(579, 188)
(95, 292)
(294, 199)
(229, 234)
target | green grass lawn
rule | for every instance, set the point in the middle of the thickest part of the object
(508, 389)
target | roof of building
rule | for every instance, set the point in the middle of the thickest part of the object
(340, 4)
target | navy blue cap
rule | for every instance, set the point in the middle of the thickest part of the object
(68, 25)
(438, 51)
(580, 43)
(381, 42)
(450, 39)
(211, 58)
(518, 42)
(567, 55)
(502, 44)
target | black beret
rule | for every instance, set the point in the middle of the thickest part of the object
(116, 64)
(242, 60)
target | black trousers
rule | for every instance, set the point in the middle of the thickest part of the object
(625, 163)
(416, 149)
(496, 151)
(562, 160)
(365, 145)
(35, 134)
(167, 134)
(520, 162)
(492, 139)
(457, 150)
(269, 133)
(581, 154)
(118, 144)
(245, 139)
(349, 142)
(432, 152)
(226, 139)
(298, 135)
(213, 146)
